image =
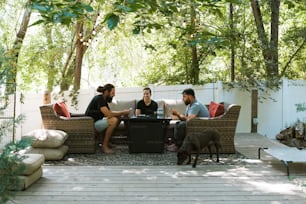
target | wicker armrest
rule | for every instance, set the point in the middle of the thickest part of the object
(225, 124)
(80, 130)
(77, 115)
(76, 118)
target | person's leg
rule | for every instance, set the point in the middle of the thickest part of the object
(100, 127)
(112, 124)
(179, 132)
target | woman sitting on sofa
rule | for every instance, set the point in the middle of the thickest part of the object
(146, 105)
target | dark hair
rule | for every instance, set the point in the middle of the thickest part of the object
(147, 89)
(106, 87)
(189, 92)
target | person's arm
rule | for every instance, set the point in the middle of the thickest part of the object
(179, 115)
(108, 113)
(137, 112)
(138, 108)
(190, 116)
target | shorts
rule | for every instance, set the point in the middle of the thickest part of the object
(101, 124)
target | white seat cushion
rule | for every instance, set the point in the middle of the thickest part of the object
(50, 153)
(27, 181)
(42, 138)
(32, 162)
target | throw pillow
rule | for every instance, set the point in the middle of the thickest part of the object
(215, 109)
(61, 109)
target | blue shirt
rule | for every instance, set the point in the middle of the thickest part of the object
(197, 109)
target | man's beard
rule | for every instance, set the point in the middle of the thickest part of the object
(109, 99)
(187, 102)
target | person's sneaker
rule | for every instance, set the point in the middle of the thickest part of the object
(172, 148)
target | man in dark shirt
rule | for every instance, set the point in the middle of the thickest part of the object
(104, 118)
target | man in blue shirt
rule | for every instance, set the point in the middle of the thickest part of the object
(194, 109)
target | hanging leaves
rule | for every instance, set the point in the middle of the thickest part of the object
(112, 20)
(61, 11)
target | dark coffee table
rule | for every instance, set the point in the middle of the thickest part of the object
(146, 134)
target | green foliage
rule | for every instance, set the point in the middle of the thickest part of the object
(143, 10)
(6, 126)
(10, 160)
(162, 45)
(60, 11)
(112, 21)
(7, 84)
(10, 167)
(45, 59)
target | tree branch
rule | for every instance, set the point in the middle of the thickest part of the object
(292, 57)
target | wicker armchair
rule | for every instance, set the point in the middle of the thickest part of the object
(225, 124)
(80, 130)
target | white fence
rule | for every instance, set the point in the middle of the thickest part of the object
(288, 107)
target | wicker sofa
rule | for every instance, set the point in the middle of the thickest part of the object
(83, 138)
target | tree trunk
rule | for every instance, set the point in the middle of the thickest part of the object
(275, 4)
(13, 53)
(80, 47)
(231, 17)
(51, 66)
(195, 70)
(269, 49)
(80, 51)
(263, 39)
(69, 64)
(292, 57)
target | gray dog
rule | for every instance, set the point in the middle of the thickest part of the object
(196, 142)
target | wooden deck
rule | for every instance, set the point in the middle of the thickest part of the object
(259, 181)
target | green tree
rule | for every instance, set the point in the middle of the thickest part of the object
(186, 17)
(67, 13)
(10, 64)
(269, 47)
(176, 49)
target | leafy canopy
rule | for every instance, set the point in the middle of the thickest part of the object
(60, 11)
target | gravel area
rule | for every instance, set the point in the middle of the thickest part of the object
(121, 157)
